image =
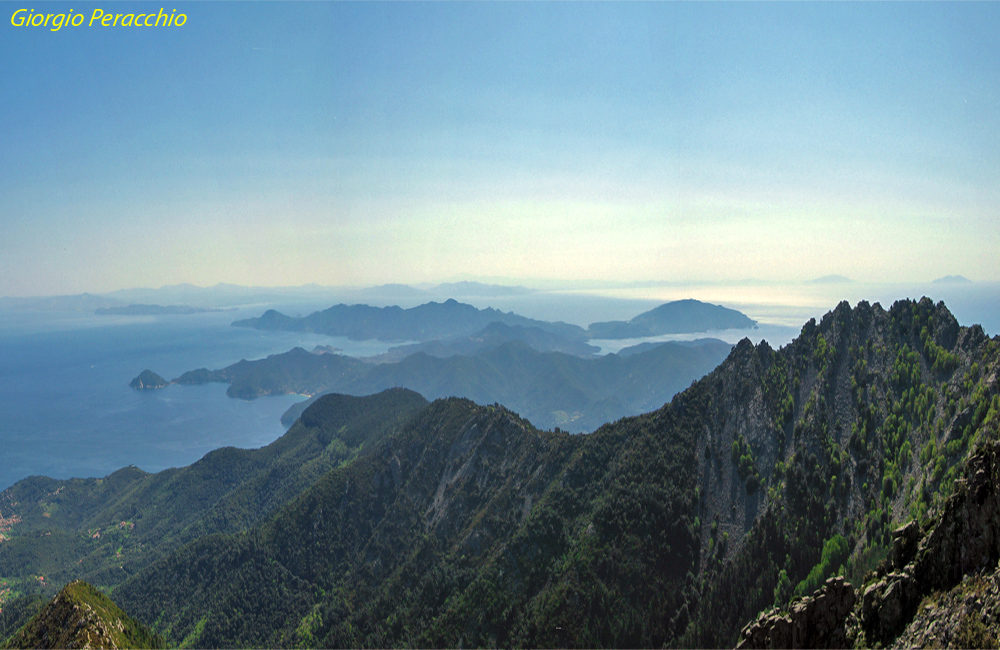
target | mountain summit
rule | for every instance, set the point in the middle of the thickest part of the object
(677, 317)
(82, 617)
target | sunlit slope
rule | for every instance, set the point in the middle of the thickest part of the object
(471, 527)
(80, 616)
(106, 529)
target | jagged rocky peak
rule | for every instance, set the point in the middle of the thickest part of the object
(860, 424)
(938, 587)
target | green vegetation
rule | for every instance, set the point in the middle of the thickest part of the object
(390, 522)
(104, 530)
(16, 610)
(539, 385)
(81, 616)
(534, 518)
(835, 551)
(742, 457)
(972, 633)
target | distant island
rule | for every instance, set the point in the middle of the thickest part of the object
(953, 279)
(551, 388)
(447, 322)
(153, 310)
(678, 317)
(490, 337)
(430, 321)
(466, 288)
(149, 380)
(831, 279)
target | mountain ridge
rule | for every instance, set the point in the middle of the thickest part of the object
(432, 320)
(466, 525)
(102, 529)
(80, 616)
(749, 436)
(551, 388)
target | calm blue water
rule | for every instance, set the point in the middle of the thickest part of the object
(66, 409)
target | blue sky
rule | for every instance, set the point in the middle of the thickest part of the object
(360, 143)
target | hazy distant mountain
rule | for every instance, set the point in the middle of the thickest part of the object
(425, 322)
(223, 295)
(551, 388)
(953, 279)
(492, 336)
(152, 310)
(82, 302)
(382, 292)
(295, 371)
(649, 345)
(678, 317)
(219, 295)
(831, 279)
(478, 289)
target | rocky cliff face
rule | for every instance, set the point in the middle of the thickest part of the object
(963, 541)
(858, 426)
(817, 621)
(939, 587)
(967, 616)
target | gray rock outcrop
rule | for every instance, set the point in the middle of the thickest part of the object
(815, 621)
(964, 540)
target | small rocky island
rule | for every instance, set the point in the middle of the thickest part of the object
(149, 380)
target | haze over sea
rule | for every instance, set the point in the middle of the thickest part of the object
(66, 409)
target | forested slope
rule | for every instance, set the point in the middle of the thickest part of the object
(449, 533)
(466, 526)
(80, 616)
(552, 389)
(104, 530)
(470, 527)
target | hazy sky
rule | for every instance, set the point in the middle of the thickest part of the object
(360, 143)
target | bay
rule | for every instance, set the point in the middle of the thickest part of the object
(66, 409)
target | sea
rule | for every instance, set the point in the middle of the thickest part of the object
(66, 409)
